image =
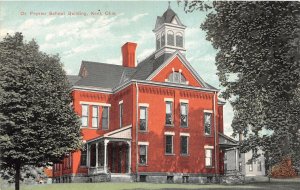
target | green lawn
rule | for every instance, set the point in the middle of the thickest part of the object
(284, 185)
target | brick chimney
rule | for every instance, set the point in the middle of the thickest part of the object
(128, 54)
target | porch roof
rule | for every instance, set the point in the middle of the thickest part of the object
(226, 142)
(123, 133)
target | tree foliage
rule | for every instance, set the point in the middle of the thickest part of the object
(258, 65)
(37, 122)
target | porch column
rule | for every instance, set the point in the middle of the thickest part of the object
(105, 155)
(97, 155)
(88, 155)
(129, 156)
(236, 159)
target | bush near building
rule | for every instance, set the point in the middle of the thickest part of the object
(283, 169)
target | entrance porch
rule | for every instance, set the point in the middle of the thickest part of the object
(110, 153)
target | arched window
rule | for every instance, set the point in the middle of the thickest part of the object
(170, 38)
(179, 40)
(157, 42)
(163, 41)
(176, 77)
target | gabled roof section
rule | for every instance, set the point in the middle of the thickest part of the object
(226, 142)
(109, 76)
(146, 67)
(103, 75)
(188, 66)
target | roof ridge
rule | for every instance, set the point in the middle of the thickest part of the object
(94, 62)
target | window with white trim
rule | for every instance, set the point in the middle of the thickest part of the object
(251, 167)
(169, 144)
(121, 114)
(207, 123)
(83, 157)
(143, 154)
(105, 117)
(95, 116)
(179, 40)
(157, 42)
(259, 168)
(163, 41)
(183, 114)
(184, 145)
(143, 118)
(208, 157)
(169, 113)
(176, 77)
(84, 115)
(170, 38)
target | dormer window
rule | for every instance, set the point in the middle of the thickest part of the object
(170, 38)
(179, 40)
(176, 77)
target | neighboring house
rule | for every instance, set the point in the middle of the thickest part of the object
(157, 121)
(234, 160)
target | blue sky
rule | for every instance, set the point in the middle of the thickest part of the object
(100, 37)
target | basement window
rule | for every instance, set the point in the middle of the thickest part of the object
(170, 179)
(143, 178)
(185, 179)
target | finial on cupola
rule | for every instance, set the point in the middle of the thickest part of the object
(169, 7)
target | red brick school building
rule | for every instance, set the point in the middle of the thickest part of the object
(155, 121)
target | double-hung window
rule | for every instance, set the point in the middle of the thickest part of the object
(143, 154)
(83, 159)
(143, 118)
(259, 166)
(208, 157)
(95, 117)
(169, 113)
(207, 123)
(105, 117)
(84, 115)
(184, 145)
(251, 167)
(169, 144)
(183, 114)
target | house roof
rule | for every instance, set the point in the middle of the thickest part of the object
(109, 76)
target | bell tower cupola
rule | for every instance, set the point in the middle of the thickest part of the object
(169, 33)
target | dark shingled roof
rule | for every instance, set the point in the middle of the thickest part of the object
(110, 76)
(73, 79)
(104, 75)
(149, 65)
(167, 17)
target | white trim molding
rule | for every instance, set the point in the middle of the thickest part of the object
(121, 102)
(208, 147)
(207, 111)
(94, 103)
(170, 133)
(185, 134)
(183, 101)
(144, 105)
(168, 99)
(143, 143)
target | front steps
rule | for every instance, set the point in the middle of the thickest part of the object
(119, 177)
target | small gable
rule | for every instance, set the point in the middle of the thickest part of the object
(174, 21)
(176, 72)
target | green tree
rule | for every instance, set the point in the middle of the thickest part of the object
(258, 65)
(37, 121)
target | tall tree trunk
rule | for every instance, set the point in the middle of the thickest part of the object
(17, 176)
